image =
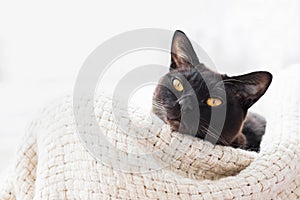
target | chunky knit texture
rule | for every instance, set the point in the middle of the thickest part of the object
(53, 162)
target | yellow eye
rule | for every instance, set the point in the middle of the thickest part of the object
(214, 102)
(177, 85)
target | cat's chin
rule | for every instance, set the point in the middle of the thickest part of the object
(181, 127)
(174, 124)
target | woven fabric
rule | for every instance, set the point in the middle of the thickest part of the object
(59, 160)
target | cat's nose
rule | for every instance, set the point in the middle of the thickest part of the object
(190, 116)
(187, 105)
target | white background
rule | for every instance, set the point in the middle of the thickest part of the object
(44, 43)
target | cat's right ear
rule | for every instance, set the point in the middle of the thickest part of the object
(183, 55)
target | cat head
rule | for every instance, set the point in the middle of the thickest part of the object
(190, 86)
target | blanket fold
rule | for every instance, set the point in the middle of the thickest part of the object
(131, 155)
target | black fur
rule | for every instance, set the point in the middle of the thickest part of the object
(238, 94)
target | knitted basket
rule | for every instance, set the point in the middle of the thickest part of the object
(144, 159)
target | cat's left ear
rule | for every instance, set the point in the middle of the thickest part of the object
(250, 87)
(183, 55)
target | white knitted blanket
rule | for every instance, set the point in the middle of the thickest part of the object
(145, 160)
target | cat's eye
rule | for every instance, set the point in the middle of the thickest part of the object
(177, 85)
(214, 102)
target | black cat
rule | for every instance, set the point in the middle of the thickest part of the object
(191, 87)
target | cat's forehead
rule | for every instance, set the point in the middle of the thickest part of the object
(194, 76)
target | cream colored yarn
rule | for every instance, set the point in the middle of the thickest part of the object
(53, 163)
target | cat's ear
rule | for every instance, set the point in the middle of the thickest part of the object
(250, 87)
(183, 55)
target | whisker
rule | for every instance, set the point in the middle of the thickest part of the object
(214, 134)
(232, 80)
(182, 97)
(159, 107)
